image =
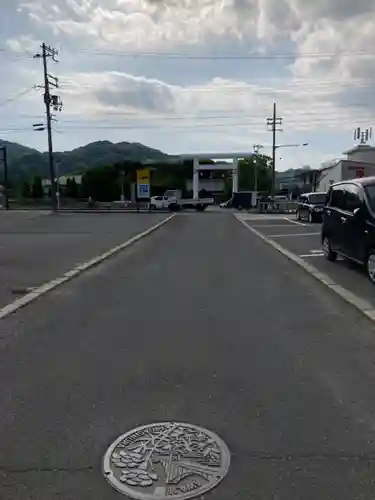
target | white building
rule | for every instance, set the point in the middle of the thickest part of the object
(359, 162)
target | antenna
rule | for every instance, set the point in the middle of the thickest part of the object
(362, 135)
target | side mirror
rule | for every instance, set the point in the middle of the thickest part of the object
(357, 212)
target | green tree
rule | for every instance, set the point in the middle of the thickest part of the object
(101, 184)
(71, 188)
(258, 166)
(25, 190)
(37, 188)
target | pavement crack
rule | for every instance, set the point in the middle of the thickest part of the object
(308, 457)
(21, 470)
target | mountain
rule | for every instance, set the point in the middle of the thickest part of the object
(24, 162)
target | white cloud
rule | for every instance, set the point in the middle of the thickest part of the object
(315, 94)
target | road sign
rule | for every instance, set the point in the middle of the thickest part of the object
(143, 183)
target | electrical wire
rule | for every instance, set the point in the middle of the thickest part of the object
(17, 96)
(253, 56)
(187, 55)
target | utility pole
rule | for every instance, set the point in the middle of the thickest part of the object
(273, 123)
(6, 187)
(256, 149)
(50, 101)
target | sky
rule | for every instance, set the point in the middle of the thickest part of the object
(192, 76)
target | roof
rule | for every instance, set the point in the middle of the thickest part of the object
(360, 181)
(360, 148)
(346, 161)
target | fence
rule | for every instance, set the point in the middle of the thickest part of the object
(281, 207)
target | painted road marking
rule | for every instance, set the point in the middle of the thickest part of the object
(290, 234)
(303, 256)
(362, 305)
(262, 216)
(76, 271)
(295, 221)
(264, 226)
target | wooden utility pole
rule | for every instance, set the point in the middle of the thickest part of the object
(50, 101)
(273, 123)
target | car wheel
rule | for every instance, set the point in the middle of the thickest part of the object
(311, 218)
(329, 254)
(153, 207)
(370, 266)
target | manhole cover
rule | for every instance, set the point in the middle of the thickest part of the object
(168, 460)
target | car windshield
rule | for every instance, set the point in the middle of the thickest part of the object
(318, 198)
(370, 193)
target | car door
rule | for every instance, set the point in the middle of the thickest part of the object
(334, 212)
(354, 227)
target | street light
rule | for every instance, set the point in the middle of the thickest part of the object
(291, 145)
(278, 146)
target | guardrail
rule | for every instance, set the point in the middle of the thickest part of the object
(280, 207)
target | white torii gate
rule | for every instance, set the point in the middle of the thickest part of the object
(197, 167)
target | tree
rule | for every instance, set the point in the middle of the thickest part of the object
(25, 190)
(37, 188)
(71, 188)
(101, 184)
(258, 166)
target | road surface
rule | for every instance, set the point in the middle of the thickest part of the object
(36, 246)
(201, 322)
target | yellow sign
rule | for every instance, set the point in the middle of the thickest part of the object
(143, 183)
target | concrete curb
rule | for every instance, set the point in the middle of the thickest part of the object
(360, 304)
(76, 271)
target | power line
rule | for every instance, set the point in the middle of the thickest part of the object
(253, 56)
(187, 55)
(17, 96)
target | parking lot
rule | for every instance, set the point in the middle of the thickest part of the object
(303, 240)
(37, 246)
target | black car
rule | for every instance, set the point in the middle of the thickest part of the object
(242, 200)
(310, 206)
(348, 227)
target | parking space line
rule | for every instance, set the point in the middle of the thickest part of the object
(294, 221)
(264, 226)
(360, 304)
(303, 256)
(37, 292)
(291, 234)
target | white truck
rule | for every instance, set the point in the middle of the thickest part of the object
(173, 200)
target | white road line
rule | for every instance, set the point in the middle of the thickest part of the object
(290, 234)
(77, 270)
(264, 226)
(312, 255)
(362, 305)
(295, 221)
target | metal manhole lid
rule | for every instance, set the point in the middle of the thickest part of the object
(166, 460)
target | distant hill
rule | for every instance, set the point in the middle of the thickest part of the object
(26, 162)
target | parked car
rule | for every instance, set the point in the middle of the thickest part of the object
(348, 227)
(310, 206)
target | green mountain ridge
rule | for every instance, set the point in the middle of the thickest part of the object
(25, 162)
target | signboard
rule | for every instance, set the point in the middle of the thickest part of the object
(359, 171)
(143, 183)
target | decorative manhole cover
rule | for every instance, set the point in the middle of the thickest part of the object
(168, 460)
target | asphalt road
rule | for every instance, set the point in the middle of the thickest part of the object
(304, 241)
(201, 322)
(36, 246)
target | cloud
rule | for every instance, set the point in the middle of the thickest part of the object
(324, 83)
